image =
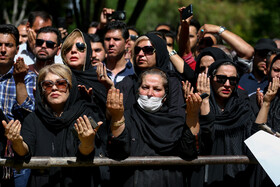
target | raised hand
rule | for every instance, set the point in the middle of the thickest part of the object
(20, 70)
(102, 76)
(203, 83)
(272, 90)
(115, 104)
(12, 130)
(187, 88)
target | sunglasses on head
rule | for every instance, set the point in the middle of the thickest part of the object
(49, 44)
(61, 84)
(147, 50)
(81, 46)
(133, 37)
(222, 79)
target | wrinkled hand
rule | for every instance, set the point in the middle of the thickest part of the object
(102, 76)
(86, 133)
(31, 34)
(20, 70)
(187, 88)
(85, 93)
(12, 130)
(259, 95)
(115, 104)
(193, 102)
(272, 90)
(203, 83)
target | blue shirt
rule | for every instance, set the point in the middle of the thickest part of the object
(128, 70)
(8, 102)
(250, 83)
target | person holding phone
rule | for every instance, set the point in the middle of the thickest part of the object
(48, 130)
(148, 129)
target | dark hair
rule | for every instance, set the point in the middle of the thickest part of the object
(134, 29)
(96, 38)
(23, 22)
(118, 25)
(53, 30)
(165, 24)
(33, 15)
(195, 23)
(159, 34)
(10, 29)
(167, 33)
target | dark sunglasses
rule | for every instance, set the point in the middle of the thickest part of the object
(133, 37)
(262, 53)
(49, 44)
(61, 84)
(147, 50)
(222, 79)
(81, 46)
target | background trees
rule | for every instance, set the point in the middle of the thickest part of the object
(251, 19)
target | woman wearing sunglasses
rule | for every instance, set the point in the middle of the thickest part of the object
(76, 53)
(226, 120)
(148, 129)
(59, 127)
(151, 51)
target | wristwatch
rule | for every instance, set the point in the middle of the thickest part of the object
(173, 52)
(222, 29)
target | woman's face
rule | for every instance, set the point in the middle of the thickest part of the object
(224, 82)
(56, 90)
(76, 56)
(275, 69)
(145, 55)
(205, 63)
(152, 86)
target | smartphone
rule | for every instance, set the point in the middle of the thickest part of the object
(204, 95)
(92, 122)
(117, 15)
(187, 12)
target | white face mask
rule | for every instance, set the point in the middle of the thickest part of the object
(152, 104)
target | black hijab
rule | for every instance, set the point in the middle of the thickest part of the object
(229, 128)
(214, 52)
(160, 130)
(88, 76)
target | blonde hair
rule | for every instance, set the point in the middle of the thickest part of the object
(57, 69)
(141, 38)
(69, 42)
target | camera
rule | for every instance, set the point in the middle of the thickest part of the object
(117, 15)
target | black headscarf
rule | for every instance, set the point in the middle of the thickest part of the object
(162, 55)
(160, 130)
(88, 76)
(274, 110)
(214, 52)
(229, 128)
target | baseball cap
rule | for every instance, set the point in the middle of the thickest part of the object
(265, 44)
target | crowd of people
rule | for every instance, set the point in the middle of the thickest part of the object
(113, 92)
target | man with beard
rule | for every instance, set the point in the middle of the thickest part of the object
(258, 79)
(47, 45)
(98, 51)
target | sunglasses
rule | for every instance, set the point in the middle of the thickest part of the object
(61, 84)
(81, 46)
(133, 37)
(222, 79)
(49, 44)
(262, 53)
(147, 50)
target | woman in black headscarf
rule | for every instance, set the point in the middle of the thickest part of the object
(151, 51)
(148, 129)
(76, 53)
(226, 126)
(59, 127)
(269, 114)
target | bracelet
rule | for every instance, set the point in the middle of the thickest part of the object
(118, 123)
(222, 29)
(173, 52)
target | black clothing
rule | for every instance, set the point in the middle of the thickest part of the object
(152, 134)
(88, 77)
(47, 135)
(224, 132)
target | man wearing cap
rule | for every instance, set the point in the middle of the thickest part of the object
(257, 78)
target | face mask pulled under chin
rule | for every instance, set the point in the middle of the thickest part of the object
(150, 104)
